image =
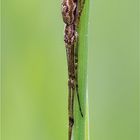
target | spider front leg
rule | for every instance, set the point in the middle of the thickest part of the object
(76, 84)
(71, 84)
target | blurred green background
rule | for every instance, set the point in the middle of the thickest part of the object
(34, 70)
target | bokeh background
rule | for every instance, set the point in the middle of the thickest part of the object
(34, 70)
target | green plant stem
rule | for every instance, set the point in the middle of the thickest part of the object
(81, 124)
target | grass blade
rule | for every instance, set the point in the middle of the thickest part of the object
(81, 124)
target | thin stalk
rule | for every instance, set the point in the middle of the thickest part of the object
(81, 123)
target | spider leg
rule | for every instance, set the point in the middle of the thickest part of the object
(79, 104)
(70, 108)
(77, 91)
